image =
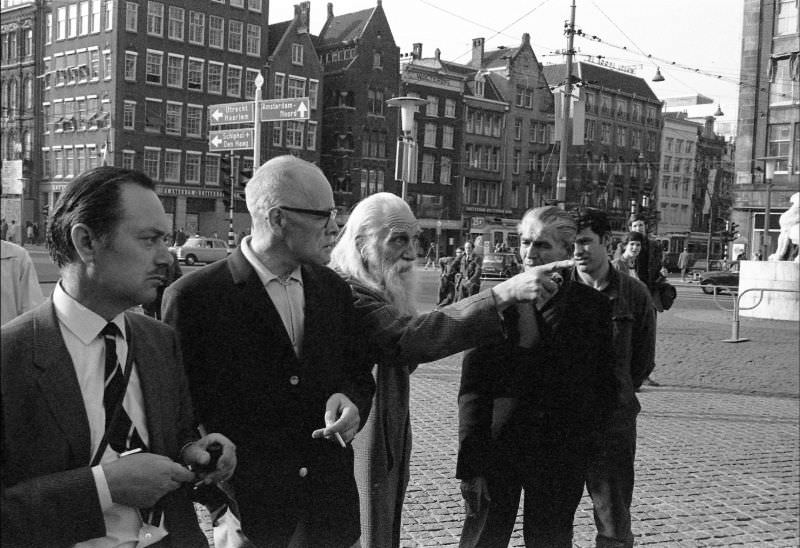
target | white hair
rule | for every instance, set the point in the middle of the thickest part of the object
(356, 254)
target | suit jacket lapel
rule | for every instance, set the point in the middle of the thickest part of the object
(148, 361)
(313, 320)
(59, 382)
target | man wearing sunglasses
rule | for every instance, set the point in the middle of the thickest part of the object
(272, 352)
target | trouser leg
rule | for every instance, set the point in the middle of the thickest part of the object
(492, 526)
(610, 480)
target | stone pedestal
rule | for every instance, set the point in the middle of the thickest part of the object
(775, 305)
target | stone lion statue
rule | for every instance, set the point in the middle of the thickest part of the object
(789, 239)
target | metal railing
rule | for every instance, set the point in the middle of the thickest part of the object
(734, 338)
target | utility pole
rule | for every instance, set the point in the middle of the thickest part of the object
(566, 133)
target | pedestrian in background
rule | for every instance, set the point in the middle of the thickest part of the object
(528, 406)
(11, 234)
(20, 285)
(85, 381)
(3, 229)
(683, 262)
(28, 233)
(468, 279)
(448, 268)
(610, 473)
(174, 272)
(376, 254)
(648, 268)
(430, 257)
(631, 248)
(275, 358)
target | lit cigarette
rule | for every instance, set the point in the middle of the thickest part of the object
(339, 439)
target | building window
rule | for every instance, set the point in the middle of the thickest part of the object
(212, 169)
(253, 40)
(428, 165)
(153, 118)
(254, 5)
(277, 90)
(151, 162)
(155, 18)
(311, 136)
(479, 88)
(313, 94)
(294, 134)
(430, 135)
(83, 19)
(470, 116)
(524, 97)
(216, 32)
(175, 24)
(432, 108)
(153, 67)
(517, 129)
(194, 120)
(235, 29)
(128, 159)
(174, 71)
(250, 83)
(297, 54)
(94, 64)
(215, 78)
(48, 29)
(779, 141)
(445, 170)
(172, 166)
(296, 87)
(621, 136)
(72, 21)
(377, 60)
(197, 28)
(589, 130)
(234, 81)
(129, 115)
(130, 65)
(277, 133)
(193, 160)
(605, 134)
(450, 108)
(194, 75)
(784, 86)
(787, 17)
(516, 162)
(109, 15)
(174, 117)
(375, 102)
(447, 136)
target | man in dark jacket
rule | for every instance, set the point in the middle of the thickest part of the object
(274, 356)
(610, 474)
(448, 267)
(527, 407)
(648, 269)
(468, 277)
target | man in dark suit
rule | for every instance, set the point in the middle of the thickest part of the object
(274, 357)
(468, 278)
(84, 382)
(528, 406)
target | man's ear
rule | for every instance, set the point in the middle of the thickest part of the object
(85, 242)
(275, 218)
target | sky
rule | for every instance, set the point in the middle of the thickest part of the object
(703, 35)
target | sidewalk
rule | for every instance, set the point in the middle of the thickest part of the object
(718, 458)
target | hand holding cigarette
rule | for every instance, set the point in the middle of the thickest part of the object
(341, 420)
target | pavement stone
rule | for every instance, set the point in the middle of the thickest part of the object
(718, 456)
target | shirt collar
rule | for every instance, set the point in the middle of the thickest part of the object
(82, 322)
(264, 274)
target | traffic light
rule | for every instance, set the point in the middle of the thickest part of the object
(45, 210)
(225, 170)
(226, 197)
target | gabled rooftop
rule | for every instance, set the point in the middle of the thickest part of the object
(343, 28)
(598, 75)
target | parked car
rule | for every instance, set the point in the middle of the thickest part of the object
(500, 266)
(198, 249)
(719, 281)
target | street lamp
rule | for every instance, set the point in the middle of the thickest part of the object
(770, 163)
(406, 158)
(259, 82)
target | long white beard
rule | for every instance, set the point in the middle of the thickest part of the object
(399, 285)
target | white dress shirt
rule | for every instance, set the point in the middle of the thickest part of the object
(286, 294)
(80, 329)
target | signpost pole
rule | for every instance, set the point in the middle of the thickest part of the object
(259, 82)
(231, 233)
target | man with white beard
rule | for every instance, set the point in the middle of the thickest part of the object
(375, 254)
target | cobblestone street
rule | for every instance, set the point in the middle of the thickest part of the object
(717, 457)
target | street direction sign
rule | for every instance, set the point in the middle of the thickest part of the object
(276, 110)
(230, 139)
(231, 113)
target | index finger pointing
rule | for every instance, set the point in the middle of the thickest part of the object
(558, 265)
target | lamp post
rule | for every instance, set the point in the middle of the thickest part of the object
(406, 158)
(770, 164)
(259, 82)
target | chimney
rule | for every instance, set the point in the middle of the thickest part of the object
(416, 52)
(301, 12)
(526, 39)
(330, 10)
(477, 52)
(437, 54)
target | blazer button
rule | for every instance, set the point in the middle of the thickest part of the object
(303, 472)
(294, 380)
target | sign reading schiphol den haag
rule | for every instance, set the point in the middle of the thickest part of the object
(275, 110)
(230, 139)
(231, 113)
